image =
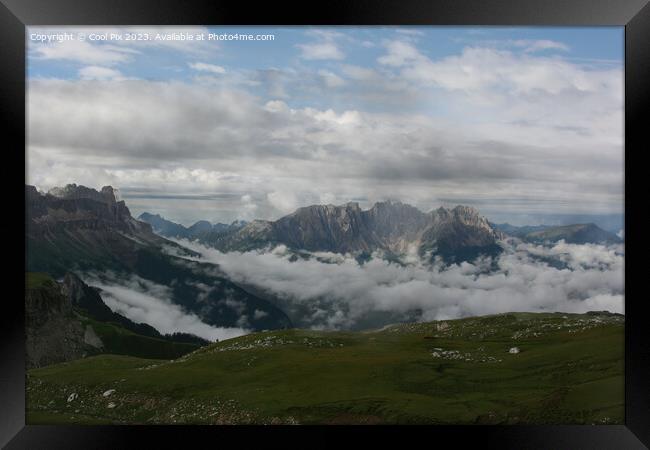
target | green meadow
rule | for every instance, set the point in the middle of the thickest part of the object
(569, 370)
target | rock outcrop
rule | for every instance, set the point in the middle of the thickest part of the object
(78, 207)
(53, 330)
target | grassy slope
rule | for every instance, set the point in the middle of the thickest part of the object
(120, 341)
(569, 370)
(37, 280)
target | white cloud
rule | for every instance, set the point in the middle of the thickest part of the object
(84, 52)
(410, 32)
(276, 106)
(342, 293)
(144, 301)
(259, 314)
(324, 47)
(359, 72)
(99, 73)
(399, 53)
(218, 140)
(331, 79)
(207, 67)
(321, 50)
(508, 131)
(327, 198)
(541, 44)
(112, 52)
(479, 69)
(284, 201)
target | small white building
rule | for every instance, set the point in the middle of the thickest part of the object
(514, 350)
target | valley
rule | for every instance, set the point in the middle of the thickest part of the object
(342, 316)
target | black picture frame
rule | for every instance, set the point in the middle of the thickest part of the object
(634, 15)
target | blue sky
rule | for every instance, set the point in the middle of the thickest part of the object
(603, 45)
(515, 121)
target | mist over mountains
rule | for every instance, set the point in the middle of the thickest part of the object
(323, 266)
(90, 233)
(333, 291)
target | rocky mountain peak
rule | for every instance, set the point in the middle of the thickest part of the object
(78, 207)
(465, 211)
(441, 214)
(201, 226)
(393, 206)
(388, 204)
(390, 226)
(149, 216)
(109, 193)
(77, 192)
(238, 223)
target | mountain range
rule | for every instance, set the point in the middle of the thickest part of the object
(199, 229)
(81, 230)
(585, 233)
(392, 228)
(88, 232)
(457, 234)
(391, 369)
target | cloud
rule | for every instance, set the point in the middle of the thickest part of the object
(99, 73)
(188, 140)
(538, 45)
(399, 53)
(321, 50)
(359, 72)
(84, 52)
(259, 314)
(207, 67)
(410, 32)
(331, 79)
(479, 69)
(341, 293)
(325, 46)
(111, 52)
(507, 131)
(144, 301)
(283, 201)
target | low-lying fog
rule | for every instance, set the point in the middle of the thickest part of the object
(332, 291)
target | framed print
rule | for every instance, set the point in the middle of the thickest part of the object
(372, 219)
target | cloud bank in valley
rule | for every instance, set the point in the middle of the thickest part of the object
(340, 293)
(144, 301)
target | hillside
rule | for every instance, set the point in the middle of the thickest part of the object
(569, 369)
(67, 321)
(87, 231)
